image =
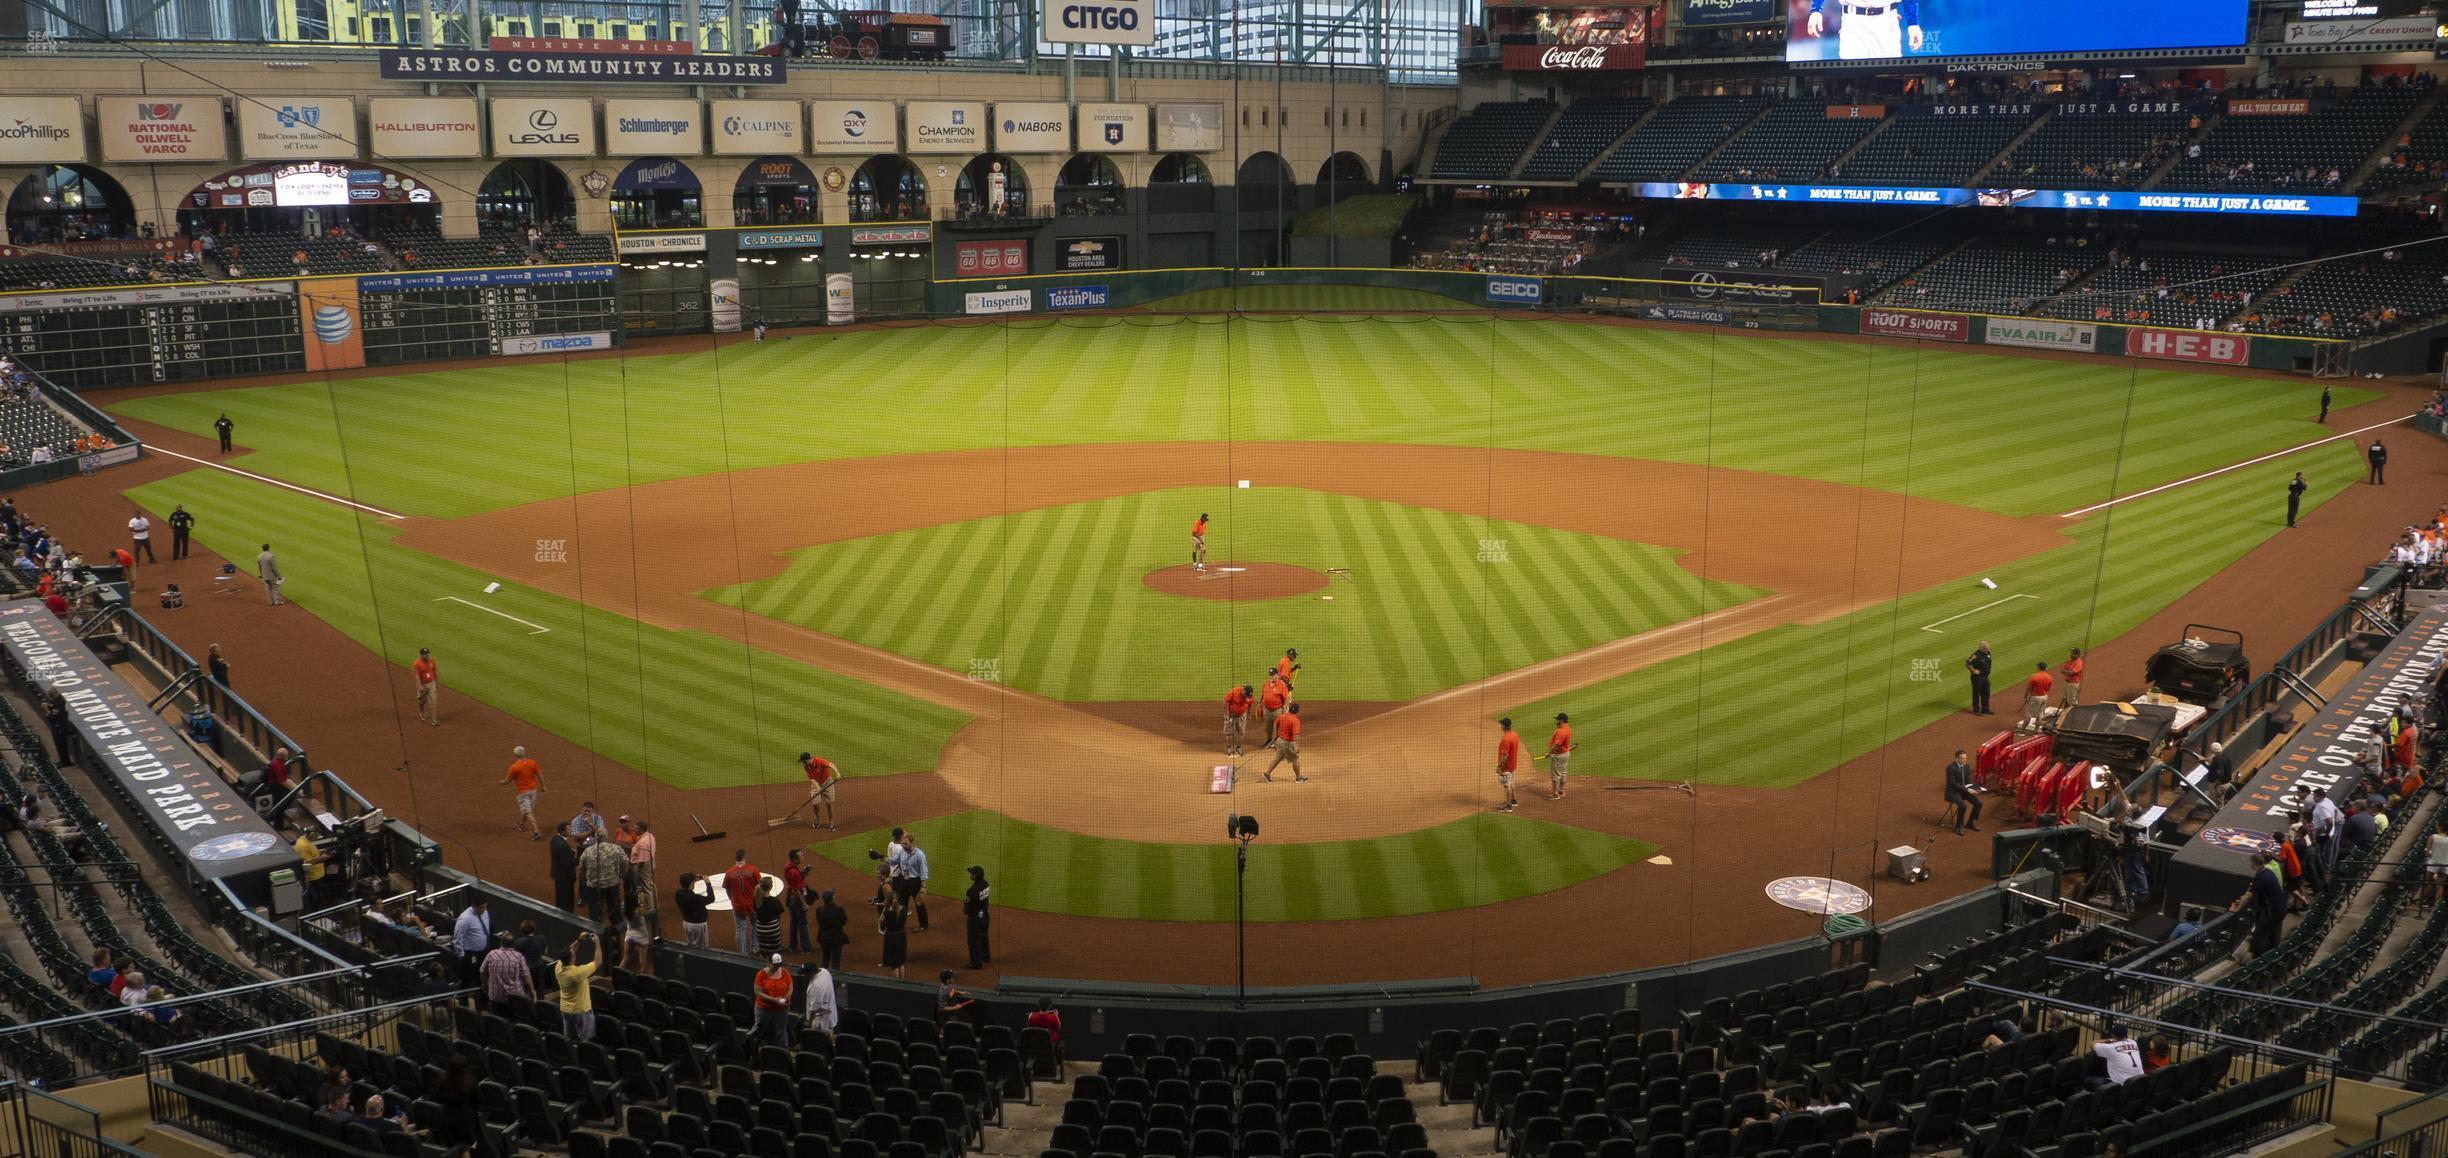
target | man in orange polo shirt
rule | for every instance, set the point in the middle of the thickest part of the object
(1287, 745)
(1508, 758)
(2069, 680)
(428, 685)
(1559, 750)
(2036, 694)
(1287, 665)
(525, 778)
(1236, 718)
(822, 777)
(1270, 706)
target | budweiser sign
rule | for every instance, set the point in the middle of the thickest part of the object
(1915, 324)
(1577, 58)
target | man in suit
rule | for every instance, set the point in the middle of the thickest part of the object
(1977, 666)
(1962, 806)
(564, 871)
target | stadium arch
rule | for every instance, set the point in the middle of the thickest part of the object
(888, 187)
(525, 191)
(68, 202)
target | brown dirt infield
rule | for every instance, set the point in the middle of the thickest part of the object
(1231, 582)
(1724, 844)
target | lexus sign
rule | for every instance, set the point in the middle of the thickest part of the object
(1578, 58)
(1750, 286)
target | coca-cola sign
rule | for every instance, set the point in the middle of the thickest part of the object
(1578, 58)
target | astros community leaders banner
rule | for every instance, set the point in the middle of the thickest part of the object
(407, 128)
(162, 128)
(543, 127)
(288, 128)
(177, 794)
(653, 128)
(947, 127)
(471, 65)
(853, 127)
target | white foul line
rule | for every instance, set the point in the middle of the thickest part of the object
(1933, 627)
(276, 482)
(2224, 469)
(539, 628)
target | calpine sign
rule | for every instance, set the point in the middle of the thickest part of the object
(2189, 346)
(1577, 58)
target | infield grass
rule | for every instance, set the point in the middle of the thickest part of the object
(1479, 860)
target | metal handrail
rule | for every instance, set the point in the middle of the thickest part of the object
(35, 1027)
(224, 1042)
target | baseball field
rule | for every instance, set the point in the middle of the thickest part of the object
(953, 559)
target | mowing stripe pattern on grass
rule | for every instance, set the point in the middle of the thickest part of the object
(1479, 860)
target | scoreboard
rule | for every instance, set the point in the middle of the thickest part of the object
(88, 339)
(100, 338)
(420, 317)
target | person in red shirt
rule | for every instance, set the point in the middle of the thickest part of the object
(822, 776)
(1236, 718)
(1559, 751)
(1048, 1019)
(1270, 706)
(1287, 665)
(1508, 758)
(429, 687)
(771, 990)
(1287, 745)
(740, 886)
(525, 778)
(2036, 695)
(1198, 543)
(57, 604)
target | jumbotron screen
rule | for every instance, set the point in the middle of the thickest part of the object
(1821, 30)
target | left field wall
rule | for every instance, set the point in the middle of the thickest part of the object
(1365, 119)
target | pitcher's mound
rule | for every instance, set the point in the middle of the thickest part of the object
(1236, 581)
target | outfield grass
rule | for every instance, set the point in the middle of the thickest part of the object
(689, 709)
(1056, 595)
(2012, 435)
(1478, 860)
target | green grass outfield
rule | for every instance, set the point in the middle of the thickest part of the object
(2017, 436)
(1059, 592)
(1478, 860)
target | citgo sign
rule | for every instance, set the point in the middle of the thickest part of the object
(1100, 22)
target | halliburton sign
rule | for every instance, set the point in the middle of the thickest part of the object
(2189, 346)
(1581, 58)
(1915, 324)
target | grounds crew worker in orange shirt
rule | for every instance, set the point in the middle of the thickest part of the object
(526, 778)
(1198, 543)
(1559, 750)
(1286, 666)
(2036, 694)
(1287, 745)
(2069, 680)
(1270, 706)
(822, 776)
(429, 686)
(1236, 718)
(1508, 758)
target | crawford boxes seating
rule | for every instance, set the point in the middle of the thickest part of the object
(1995, 275)
(1586, 129)
(2094, 146)
(1878, 256)
(2196, 288)
(1933, 148)
(2201, 668)
(1675, 137)
(1795, 141)
(1484, 144)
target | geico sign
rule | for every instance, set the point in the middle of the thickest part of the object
(1588, 56)
(1099, 18)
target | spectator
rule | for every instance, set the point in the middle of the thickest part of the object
(104, 974)
(771, 991)
(564, 851)
(311, 873)
(588, 826)
(693, 899)
(832, 930)
(740, 888)
(136, 995)
(769, 916)
(505, 973)
(950, 1003)
(642, 876)
(472, 936)
(384, 1123)
(2122, 1057)
(575, 979)
(537, 952)
(602, 871)
(795, 907)
(823, 1005)
(2157, 1055)
(1049, 1019)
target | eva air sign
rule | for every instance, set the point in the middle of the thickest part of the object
(1130, 22)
